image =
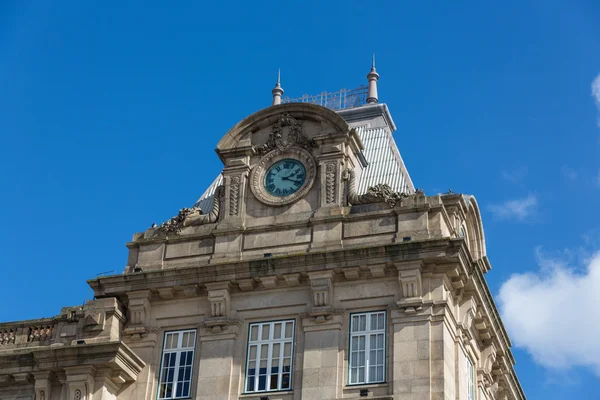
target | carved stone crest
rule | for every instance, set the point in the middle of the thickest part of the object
(287, 132)
(382, 192)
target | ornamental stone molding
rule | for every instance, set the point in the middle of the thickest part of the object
(380, 193)
(192, 216)
(295, 136)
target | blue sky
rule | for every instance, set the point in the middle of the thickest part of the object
(109, 117)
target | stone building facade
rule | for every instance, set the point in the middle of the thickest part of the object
(311, 269)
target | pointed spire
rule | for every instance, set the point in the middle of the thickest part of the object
(277, 90)
(372, 76)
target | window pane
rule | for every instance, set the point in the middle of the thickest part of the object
(287, 349)
(285, 381)
(265, 332)
(363, 323)
(289, 328)
(354, 343)
(254, 333)
(354, 327)
(252, 352)
(277, 331)
(262, 382)
(381, 321)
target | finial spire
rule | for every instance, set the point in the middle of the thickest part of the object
(277, 90)
(372, 76)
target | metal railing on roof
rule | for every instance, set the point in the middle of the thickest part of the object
(342, 99)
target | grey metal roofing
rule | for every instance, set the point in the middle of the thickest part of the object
(385, 162)
(382, 155)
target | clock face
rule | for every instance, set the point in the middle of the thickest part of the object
(285, 177)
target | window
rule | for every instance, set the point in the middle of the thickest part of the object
(470, 380)
(176, 370)
(270, 349)
(367, 348)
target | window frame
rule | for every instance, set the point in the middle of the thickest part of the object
(270, 342)
(178, 351)
(367, 333)
(470, 379)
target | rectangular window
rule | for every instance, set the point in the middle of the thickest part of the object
(270, 349)
(177, 360)
(367, 348)
(470, 380)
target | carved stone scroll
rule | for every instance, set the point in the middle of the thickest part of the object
(382, 192)
(193, 216)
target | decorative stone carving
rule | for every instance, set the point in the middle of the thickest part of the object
(322, 288)
(330, 175)
(7, 336)
(382, 192)
(295, 136)
(234, 195)
(40, 333)
(192, 216)
(411, 288)
(218, 296)
(139, 313)
(220, 307)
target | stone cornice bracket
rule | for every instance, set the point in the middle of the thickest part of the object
(467, 313)
(411, 287)
(220, 307)
(321, 284)
(488, 359)
(138, 314)
(380, 193)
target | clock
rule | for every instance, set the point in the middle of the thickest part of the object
(283, 177)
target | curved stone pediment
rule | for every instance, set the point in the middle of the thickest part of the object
(236, 137)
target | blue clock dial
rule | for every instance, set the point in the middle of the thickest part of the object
(285, 177)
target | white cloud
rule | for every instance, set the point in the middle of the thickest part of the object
(519, 208)
(568, 173)
(516, 175)
(596, 92)
(553, 313)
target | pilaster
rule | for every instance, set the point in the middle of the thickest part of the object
(80, 382)
(43, 385)
(217, 374)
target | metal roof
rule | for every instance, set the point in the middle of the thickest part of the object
(385, 162)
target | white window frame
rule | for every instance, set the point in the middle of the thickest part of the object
(353, 353)
(470, 380)
(177, 351)
(269, 342)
